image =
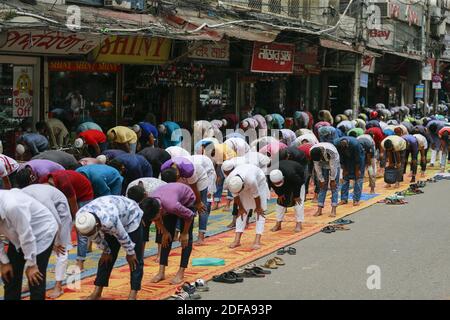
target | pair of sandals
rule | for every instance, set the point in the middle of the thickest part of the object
(273, 263)
(291, 250)
(253, 272)
(186, 292)
(334, 228)
(228, 277)
(342, 221)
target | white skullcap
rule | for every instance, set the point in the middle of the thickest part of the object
(161, 128)
(225, 122)
(227, 165)
(235, 184)
(244, 124)
(276, 176)
(269, 118)
(136, 128)
(102, 158)
(20, 149)
(78, 143)
(85, 222)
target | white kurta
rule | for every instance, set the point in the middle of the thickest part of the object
(177, 152)
(238, 145)
(208, 165)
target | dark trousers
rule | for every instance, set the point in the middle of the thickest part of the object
(170, 223)
(13, 289)
(104, 270)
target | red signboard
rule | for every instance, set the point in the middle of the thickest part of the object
(273, 58)
(82, 66)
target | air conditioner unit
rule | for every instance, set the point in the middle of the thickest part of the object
(126, 5)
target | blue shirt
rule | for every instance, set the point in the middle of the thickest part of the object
(105, 180)
(35, 141)
(85, 126)
(148, 129)
(327, 134)
(112, 153)
(167, 137)
(353, 156)
(137, 166)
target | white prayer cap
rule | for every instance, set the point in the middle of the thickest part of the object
(20, 149)
(85, 222)
(78, 143)
(269, 118)
(244, 124)
(102, 158)
(235, 184)
(277, 178)
(161, 128)
(225, 122)
(227, 165)
(136, 128)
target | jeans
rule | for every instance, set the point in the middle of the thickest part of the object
(13, 289)
(357, 189)
(323, 192)
(203, 217)
(104, 270)
(444, 157)
(170, 222)
(219, 186)
(82, 241)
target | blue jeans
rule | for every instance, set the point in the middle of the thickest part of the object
(323, 192)
(203, 218)
(82, 241)
(219, 186)
(357, 189)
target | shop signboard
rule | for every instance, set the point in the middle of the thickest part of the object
(273, 58)
(305, 60)
(210, 52)
(419, 92)
(133, 50)
(23, 91)
(406, 11)
(49, 42)
(436, 81)
(82, 66)
(427, 71)
(382, 36)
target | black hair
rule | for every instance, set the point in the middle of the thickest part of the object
(151, 207)
(40, 125)
(23, 177)
(388, 144)
(169, 175)
(433, 127)
(117, 165)
(136, 193)
(316, 154)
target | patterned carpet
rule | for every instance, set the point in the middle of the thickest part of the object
(216, 246)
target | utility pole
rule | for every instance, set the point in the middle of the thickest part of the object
(427, 51)
(358, 57)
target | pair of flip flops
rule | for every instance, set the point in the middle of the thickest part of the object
(343, 221)
(228, 277)
(334, 228)
(255, 272)
(291, 250)
(273, 263)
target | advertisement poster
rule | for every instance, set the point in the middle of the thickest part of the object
(22, 91)
(273, 58)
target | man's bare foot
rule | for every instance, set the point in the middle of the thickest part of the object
(157, 278)
(156, 259)
(333, 212)
(343, 202)
(372, 190)
(177, 279)
(298, 227)
(318, 212)
(256, 246)
(216, 206)
(397, 185)
(422, 174)
(276, 227)
(355, 203)
(80, 265)
(132, 295)
(315, 199)
(200, 239)
(56, 293)
(413, 179)
(387, 185)
(234, 245)
(94, 296)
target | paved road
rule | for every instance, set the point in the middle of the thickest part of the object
(410, 244)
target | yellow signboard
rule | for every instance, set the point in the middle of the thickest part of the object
(133, 50)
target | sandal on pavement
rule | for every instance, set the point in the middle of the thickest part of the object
(250, 266)
(253, 274)
(190, 289)
(279, 261)
(281, 251)
(200, 285)
(340, 227)
(260, 270)
(224, 278)
(342, 221)
(328, 229)
(235, 276)
(270, 264)
(292, 251)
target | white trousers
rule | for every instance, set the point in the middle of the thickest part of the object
(433, 156)
(241, 222)
(61, 266)
(298, 208)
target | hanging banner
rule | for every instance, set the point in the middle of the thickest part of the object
(49, 42)
(368, 64)
(419, 92)
(133, 50)
(22, 91)
(210, 52)
(273, 58)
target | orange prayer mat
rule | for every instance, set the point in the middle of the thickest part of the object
(217, 247)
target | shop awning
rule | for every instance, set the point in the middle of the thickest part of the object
(395, 53)
(331, 44)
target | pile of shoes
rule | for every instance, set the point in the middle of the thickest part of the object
(337, 225)
(189, 291)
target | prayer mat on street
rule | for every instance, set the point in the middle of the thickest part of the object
(216, 245)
